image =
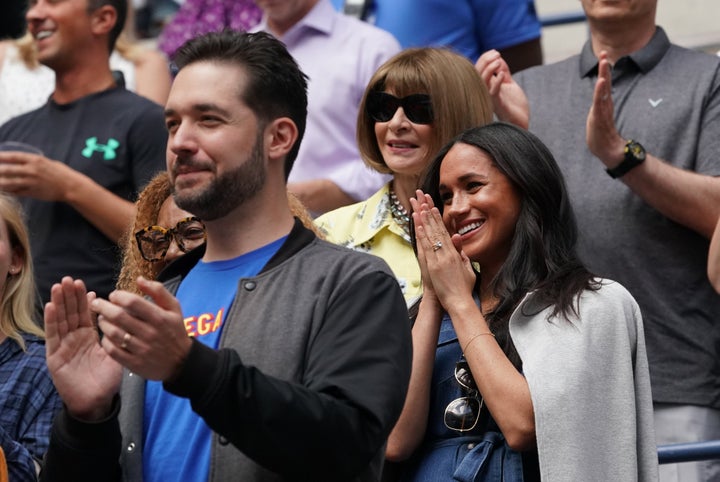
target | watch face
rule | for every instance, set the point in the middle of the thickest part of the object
(634, 156)
(636, 150)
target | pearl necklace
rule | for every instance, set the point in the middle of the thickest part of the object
(399, 213)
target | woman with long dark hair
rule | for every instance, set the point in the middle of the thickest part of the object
(525, 366)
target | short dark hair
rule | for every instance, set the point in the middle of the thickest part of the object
(276, 86)
(121, 7)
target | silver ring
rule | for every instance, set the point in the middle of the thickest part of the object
(437, 245)
(125, 340)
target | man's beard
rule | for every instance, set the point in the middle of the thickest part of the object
(227, 191)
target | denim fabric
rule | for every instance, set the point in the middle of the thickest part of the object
(447, 455)
(490, 459)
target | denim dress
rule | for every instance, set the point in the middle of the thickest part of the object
(448, 455)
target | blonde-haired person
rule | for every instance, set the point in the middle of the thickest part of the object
(28, 400)
(162, 232)
(25, 84)
(415, 103)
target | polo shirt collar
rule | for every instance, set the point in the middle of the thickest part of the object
(644, 59)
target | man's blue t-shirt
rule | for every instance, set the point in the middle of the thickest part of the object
(177, 440)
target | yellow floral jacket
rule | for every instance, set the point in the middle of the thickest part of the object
(369, 226)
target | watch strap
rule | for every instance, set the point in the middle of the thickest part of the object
(630, 161)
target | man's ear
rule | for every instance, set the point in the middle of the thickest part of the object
(281, 135)
(103, 20)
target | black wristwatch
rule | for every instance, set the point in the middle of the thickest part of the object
(634, 156)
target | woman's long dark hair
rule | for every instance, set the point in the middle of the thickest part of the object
(542, 257)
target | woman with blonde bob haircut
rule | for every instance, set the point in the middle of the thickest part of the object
(415, 103)
(28, 399)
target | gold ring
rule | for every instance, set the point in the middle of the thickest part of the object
(437, 245)
(125, 340)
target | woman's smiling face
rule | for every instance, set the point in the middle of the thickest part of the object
(404, 145)
(480, 204)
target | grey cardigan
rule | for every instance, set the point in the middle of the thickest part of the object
(590, 388)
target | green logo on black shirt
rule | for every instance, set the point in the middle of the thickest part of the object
(108, 150)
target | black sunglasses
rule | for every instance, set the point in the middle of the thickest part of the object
(462, 414)
(381, 107)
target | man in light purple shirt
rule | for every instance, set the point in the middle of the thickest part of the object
(339, 54)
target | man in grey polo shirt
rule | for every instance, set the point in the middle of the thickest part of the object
(647, 208)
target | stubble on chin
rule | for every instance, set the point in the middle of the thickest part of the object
(226, 191)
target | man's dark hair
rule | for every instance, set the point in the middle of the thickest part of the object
(121, 7)
(276, 86)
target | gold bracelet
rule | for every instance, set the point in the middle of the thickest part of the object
(475, 337)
